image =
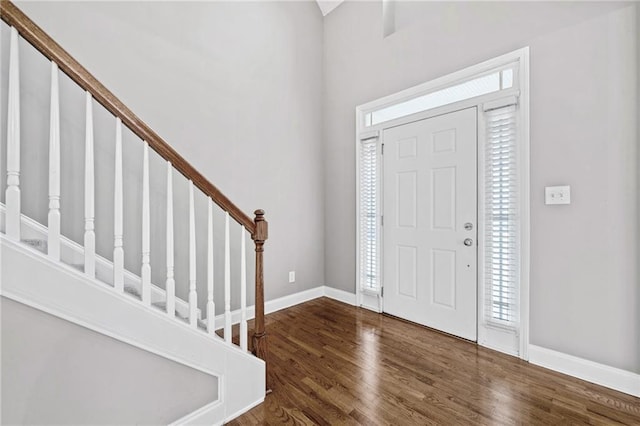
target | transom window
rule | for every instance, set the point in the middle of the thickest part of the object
(493, 82)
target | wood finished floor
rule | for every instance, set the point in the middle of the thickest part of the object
(334, 364)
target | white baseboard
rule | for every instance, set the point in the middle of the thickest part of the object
(600, 374)
(243, 410)
(340, 295)
(290, 300)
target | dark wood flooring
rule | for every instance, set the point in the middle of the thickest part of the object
(334, 364)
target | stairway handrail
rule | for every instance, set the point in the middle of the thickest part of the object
(257, 227)
(42, 42)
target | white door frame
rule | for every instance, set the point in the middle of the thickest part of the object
(376, 301)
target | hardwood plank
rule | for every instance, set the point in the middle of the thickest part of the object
(335, 364)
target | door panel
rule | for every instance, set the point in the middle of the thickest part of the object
(430, 193)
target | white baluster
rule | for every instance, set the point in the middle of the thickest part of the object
(170, 283)
(193, 295)
(243, 291)
(12, 195)
(89, 215)
(118, 251)
(145, 272)
(211, 307)
(53, 219)
(227, 281)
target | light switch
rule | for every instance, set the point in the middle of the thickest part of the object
(557, 195)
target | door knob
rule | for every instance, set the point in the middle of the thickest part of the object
(468, 226)
(468, 242)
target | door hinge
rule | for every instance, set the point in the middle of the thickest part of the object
(382, 149)
(381, 291)
(382, 220)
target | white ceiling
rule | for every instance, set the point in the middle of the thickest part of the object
(327, 6)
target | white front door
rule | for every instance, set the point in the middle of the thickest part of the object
(430, 222)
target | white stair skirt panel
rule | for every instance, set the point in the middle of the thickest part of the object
(32, 278)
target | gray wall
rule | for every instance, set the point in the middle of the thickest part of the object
(235, 87)
(585, 299)
(56, 372)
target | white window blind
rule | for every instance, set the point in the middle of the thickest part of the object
(501, 245)
(369, 215)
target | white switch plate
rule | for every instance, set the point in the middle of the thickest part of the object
(557, 195)
(292, 276)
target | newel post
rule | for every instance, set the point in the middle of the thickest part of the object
(260, 336)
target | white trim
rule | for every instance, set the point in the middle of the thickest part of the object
(500, 103)
(445, 109)
(293, 299)
(207, 414)
(604, 375)
(340, 295)
(371, 301)
(210, 413)
(372, 134)
(439, 83)
(525, 202)
(521, 90)
(290, 300)
(242, 410)
(273, 305)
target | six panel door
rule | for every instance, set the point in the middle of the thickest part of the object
(430, 221)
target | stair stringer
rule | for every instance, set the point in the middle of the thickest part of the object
(31, 278)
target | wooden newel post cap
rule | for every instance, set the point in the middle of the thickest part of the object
(262, 227)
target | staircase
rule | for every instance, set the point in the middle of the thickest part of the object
(54, 273)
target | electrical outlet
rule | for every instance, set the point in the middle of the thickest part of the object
(292, 276)
(557, 195)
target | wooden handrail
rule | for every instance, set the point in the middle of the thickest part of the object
(33, 34)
